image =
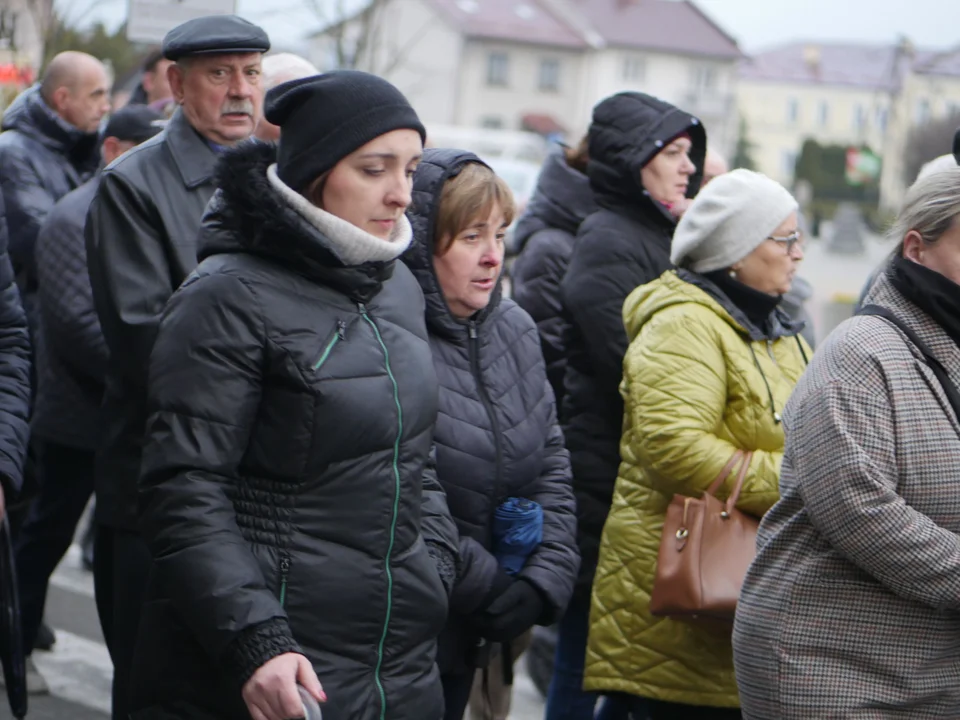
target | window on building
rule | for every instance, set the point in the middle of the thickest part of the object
(549, 75)
(823, 113)
(793, 111)
(923, 111)
(498, 69)
(859, 117)
(491, 122)
(788, 164)
(634, 69)
(703, 78)
(882, 119)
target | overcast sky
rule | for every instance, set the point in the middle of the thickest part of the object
(756, 24)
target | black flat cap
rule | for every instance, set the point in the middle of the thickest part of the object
(214, 34)
(134, 123)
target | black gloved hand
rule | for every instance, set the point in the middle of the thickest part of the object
(512, 614)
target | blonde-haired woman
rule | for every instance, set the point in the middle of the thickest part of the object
(852, 606)
(711, 363)
(496, 435)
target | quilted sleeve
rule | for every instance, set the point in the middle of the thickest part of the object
(675, 388)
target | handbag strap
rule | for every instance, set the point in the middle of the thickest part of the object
(738, 486)
(725, 473)
(949, 389)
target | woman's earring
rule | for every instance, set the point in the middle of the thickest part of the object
(733, 273)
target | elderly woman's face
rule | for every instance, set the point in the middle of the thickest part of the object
(771, 266)
(371, 187)
(942, 257)
(667, 176)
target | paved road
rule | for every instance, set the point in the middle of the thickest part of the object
(78, 669)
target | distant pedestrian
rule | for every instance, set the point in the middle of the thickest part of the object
(154, 85)
(646, 159)
(289, 494)
(545, 235)
(48, 147)
(71, 359)
(278, 69)
(141, 243)
(713, 166)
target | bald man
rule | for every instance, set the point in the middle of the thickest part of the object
(278, 69)
(48, 147)
(713, 165)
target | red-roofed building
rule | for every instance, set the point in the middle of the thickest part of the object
(542, 65)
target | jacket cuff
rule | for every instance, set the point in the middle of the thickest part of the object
(256, 645)
(446, 563)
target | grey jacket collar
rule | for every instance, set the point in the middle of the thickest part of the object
(194, 158)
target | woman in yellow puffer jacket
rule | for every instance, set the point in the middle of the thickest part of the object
(711, 364)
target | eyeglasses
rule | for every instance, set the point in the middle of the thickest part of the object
(794, 238)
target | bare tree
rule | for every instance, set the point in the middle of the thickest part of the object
(927, 142)
(53, 17)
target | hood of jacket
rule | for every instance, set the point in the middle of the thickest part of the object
(248, 215)
(30, 115)
(627, 131)
(437, 166)
(563, 199)
(682, 286)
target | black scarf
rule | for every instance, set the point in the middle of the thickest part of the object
(936, 295)
(757, 306)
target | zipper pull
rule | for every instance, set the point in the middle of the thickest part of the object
(284, 572)
(362, 308)
(472, 332)
(342, 329)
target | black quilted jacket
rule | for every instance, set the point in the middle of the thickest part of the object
(288, 494)
(71, 352)
(497, 434)
(626, 243)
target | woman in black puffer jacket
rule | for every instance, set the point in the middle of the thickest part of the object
(497, 435)
(545, 236)
(288, 492)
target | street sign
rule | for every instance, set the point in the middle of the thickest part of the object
(149, 20)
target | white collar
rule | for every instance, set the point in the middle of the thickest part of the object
(350, 244)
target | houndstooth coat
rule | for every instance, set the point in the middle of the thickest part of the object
(852, 606)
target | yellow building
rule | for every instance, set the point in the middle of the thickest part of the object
(844, 94)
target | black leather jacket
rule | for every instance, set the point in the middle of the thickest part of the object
(141, 236)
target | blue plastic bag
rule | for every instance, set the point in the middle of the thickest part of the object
(517, 532)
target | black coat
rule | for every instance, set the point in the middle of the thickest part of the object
(497, 434)
(141, 237)
(545, 236)
(287, 483)
(71, 354)
(14, 374)
(42, 158)
(623, 245)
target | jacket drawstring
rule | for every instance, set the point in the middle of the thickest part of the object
(756, 361)
(806, 360)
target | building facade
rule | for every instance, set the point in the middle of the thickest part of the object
(542, 65)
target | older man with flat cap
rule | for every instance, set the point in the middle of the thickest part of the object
(141, 244)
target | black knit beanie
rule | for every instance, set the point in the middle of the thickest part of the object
(324, 118)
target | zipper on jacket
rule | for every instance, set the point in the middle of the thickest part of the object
(396, 509)
(474, 347)
(339, 334)
(284, 576)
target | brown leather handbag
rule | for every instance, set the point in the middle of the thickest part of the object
(705, 551)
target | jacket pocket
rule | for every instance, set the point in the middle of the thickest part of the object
(336, 337)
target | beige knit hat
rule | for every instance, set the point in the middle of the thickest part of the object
(728, 220)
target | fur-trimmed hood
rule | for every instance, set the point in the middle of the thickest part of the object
(247, 214)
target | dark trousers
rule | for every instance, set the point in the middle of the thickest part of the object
(121, 565)
(65, 485)
(675, 711)
(456, 694)
(566, 698)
